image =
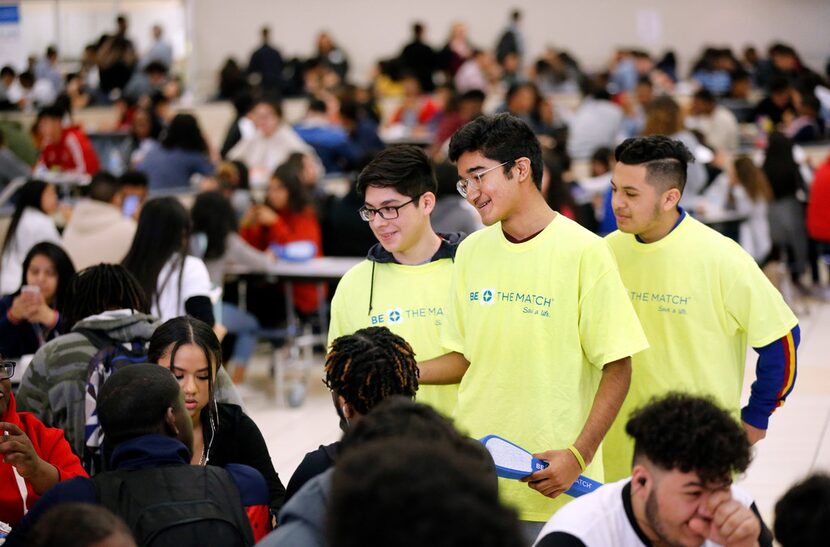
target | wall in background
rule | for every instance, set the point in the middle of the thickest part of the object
(590, 29)
(369, 30)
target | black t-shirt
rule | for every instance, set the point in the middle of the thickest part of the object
(238, 440)
(313, 464)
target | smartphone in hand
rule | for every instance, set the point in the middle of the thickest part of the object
(29, 289)
(130, 205)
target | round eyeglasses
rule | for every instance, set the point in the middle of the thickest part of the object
(463, 184)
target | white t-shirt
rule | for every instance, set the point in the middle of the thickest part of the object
(34, 226)
(195, 282)
(604, 517)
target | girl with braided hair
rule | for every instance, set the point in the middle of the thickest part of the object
(362, 369)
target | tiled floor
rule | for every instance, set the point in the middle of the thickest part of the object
(797, 443)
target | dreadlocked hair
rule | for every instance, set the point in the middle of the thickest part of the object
(369, 366)
(100, 288)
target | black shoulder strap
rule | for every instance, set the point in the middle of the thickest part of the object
(97, 338)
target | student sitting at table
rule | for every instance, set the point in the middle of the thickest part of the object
(63, 148)
(104, 305)
(30, 316)
(222, 433)
(101, 229)
(175, 283)
(417, 110)
(31, 223)
(33, 457)
(182, 154)
(745, 190)
(214, 219)
(271, 143)
(286, 217)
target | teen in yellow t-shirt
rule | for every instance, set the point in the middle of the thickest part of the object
(699, 296)
(404, 284)
(540, 325)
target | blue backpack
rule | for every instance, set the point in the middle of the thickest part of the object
(111, 357)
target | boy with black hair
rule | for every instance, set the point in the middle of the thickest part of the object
(540, 329)
(416, 493)
(143, 415)
(680, 492)
(91, 526)
(404, 283)
(716, 123)
(802, 515)
(362, 370)
(699, 296)
(64, 148)
(776, 106)
(329, 140)
(105, 302)
(302, 519)
(134, 187)
(98, 231)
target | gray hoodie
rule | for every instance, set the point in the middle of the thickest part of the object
(302, 519)
(53, 387)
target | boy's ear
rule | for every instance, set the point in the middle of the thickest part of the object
(523, 170)
(428, 200)
(170, 422)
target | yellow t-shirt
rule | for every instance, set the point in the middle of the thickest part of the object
(700, 299)
(538, 321)
(410, 300)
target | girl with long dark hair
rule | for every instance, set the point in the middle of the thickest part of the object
(786, 212)
(213, 217)
(183, 153)
(31, 316)
(175, 283)
(31, 223)
(222, 433)
(286, 217)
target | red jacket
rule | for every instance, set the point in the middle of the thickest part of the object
(74, 152)
(50, 445)
(818, 206)
(427, 110)
(289, 227)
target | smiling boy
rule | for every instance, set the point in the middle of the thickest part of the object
(700, 298)
(540, 329)
(404, 283)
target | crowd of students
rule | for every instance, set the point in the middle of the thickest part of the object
(618, 320)
(603, 332)
(742, 104)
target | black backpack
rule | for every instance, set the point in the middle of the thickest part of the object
(110, 358)
(177, 506)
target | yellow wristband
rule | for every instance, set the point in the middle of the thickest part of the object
(578, 457)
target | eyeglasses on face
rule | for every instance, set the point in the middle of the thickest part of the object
(389, 212)
(463, 184)
(6, 369)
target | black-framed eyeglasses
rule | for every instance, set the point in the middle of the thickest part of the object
(463, 184)
(6, 369)
(389, 212)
